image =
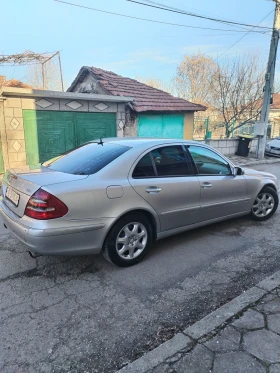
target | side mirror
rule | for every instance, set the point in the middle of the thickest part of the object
(238, 171)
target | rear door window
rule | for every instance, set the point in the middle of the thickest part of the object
(87, 159)
(144, 168)
(171, 161)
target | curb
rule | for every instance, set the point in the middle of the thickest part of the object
(186, 339)
(256, 162)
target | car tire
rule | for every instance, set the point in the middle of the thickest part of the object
(128, 241)
(265, 204)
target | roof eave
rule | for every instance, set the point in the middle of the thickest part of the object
(84, 71)
(33, 93)
(155, 110)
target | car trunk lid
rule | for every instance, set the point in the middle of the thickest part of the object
(19, 185)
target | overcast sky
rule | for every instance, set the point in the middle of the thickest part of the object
(126, 46)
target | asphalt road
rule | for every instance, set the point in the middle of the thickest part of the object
(83, 315)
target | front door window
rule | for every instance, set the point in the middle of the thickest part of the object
(208, 162)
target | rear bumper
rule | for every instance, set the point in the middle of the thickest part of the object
(71, 240)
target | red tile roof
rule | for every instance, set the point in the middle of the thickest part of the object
(16, 84)
(146, 98)
(276, 101)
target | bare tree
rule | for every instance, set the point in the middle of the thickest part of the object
(239, 88)
(232, 89)
(195, 79)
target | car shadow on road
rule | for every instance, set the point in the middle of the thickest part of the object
(232, 227)
(63, 265)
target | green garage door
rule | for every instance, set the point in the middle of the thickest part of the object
(165, 125)
(51, 133)
(90, 126)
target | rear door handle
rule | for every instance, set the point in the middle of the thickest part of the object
(153, 189)
(206, 185)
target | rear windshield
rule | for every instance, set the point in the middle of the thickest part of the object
(87, 159)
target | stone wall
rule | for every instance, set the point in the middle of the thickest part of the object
(131, 123)
(12, 131)
(229, 146)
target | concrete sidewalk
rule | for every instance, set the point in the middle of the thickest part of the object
(251, 161)
(243, 336)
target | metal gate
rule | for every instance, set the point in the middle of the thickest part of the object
(165, 125)
(51, 133)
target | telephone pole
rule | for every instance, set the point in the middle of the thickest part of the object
(269, 81)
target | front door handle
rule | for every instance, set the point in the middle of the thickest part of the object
(206, 185)
(153, 189)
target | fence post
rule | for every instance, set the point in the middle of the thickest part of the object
(206, 128)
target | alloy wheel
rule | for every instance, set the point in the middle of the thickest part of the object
(131, 240)
(263, 205)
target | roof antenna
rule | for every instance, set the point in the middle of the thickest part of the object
(101, 142)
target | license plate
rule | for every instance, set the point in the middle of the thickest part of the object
(275, 151)
(12, 196)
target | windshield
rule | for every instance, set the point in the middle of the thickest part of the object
(87, 159)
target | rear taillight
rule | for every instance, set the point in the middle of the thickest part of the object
(43, 205)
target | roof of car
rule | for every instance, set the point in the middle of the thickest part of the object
(141, 141)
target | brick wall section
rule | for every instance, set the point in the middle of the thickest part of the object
(14, 133)
(229, 147)
(3, 133)
(120, 120)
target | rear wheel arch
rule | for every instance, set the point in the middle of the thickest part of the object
(129, 238)
(151, 219)
(145, 213)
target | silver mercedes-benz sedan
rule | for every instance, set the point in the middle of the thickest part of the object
(118, 196)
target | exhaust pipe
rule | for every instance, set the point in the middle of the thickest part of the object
(33, 255)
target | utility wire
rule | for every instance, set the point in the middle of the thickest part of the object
(146, 19)
(194, 9)
(243, 36)
(180, 9)
(162, 7)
